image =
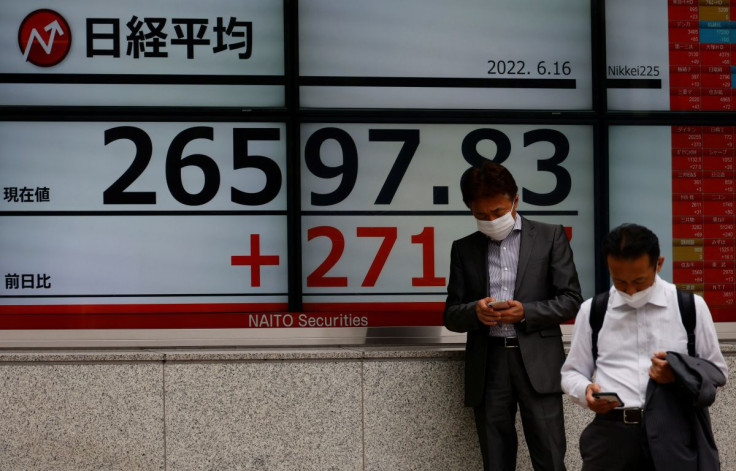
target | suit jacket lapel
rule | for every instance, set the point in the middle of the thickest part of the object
(479, 264)
(528, 234)
(479, 258)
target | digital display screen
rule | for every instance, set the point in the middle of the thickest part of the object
(677, 55)
(498, 54)
(302, 168)
(679, 182)
(170, 224)
(226, 53)
(131, 222)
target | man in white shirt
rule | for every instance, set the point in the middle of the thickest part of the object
(642, 322)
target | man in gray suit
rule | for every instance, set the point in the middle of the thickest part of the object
(514, 351)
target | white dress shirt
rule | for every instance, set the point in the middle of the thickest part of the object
(628, 339)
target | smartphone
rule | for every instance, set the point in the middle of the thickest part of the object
(499, 305)
(609, 396)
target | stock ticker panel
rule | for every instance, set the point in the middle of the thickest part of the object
(703, 216)
(702, 43)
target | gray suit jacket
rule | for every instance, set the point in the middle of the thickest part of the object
(546, 283)
(677, 419)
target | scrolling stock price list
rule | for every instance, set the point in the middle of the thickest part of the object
(704, 215)
(702, 56)
(371, 241)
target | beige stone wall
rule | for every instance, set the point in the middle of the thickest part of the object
(351, 408)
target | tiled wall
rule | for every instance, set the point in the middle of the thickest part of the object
(372, 408)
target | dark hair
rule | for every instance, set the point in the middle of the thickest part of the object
(490, 179)
(631, 241)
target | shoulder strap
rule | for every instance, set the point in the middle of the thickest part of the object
(598, 308)
(686, 303)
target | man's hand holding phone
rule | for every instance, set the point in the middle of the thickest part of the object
(485, 313)
(510, 311)
(492, 311)
(601, 401)
(499, 305)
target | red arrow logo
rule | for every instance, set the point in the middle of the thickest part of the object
(44, 38)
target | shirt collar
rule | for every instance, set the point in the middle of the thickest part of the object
(517, 223)
(658, 298)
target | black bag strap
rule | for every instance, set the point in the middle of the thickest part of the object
(597, 311)
(685, 301)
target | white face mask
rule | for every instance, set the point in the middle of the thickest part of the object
(638, 299)
(499, 228)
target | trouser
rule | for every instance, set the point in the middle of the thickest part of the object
(507, 384)
(611, 445)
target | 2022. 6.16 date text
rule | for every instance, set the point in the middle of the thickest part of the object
(519, 67)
